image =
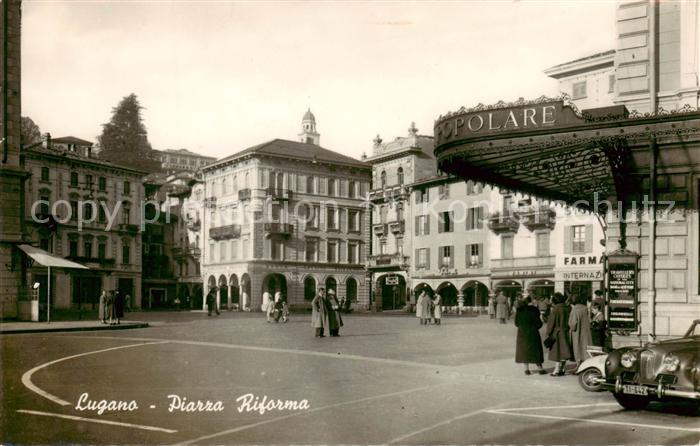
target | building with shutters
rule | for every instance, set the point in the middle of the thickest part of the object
(286, 216)
(88, 211)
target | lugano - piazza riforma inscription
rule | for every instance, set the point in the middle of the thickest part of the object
(500, 118)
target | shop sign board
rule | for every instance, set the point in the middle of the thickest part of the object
(392, 280)
(623, 293)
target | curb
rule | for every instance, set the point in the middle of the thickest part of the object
(66, 329)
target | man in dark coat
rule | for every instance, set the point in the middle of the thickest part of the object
(211, 302)
(335, 321)
(558, 332)
(528, 347)
(119, 306)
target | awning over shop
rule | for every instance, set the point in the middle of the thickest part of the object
(47, 259)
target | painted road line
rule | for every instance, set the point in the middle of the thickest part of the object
(93, 420)
(27, 377)
(584, 420)
(575, 406)
(334, 355)
(307, 412)
(445, 423)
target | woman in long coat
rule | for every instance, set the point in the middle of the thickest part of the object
(419, 306)
(501, 307)
(109, 306)
(437, 309)
(335, 321)
(580, 326)
(492, 307)
(119, 306)
(101, 313)
(558, 332)
(424, 305)
(528, 346)
(319, 316)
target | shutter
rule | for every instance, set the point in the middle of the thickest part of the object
(470, 219)
(481, 216)
(441, 223)
(427, 258)
(452, 257)
(417, 224)
(427, 225)
(467, 255)
(417, 260)
(481, 253)
(568, 239)
(589, 238)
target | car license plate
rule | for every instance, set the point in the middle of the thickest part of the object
(634, 390)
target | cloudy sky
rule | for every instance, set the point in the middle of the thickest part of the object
(217, 77)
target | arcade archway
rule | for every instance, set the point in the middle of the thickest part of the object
(475, 293)
(510, 288)
(448, 294)
(422, 287)
(541, 289)
(245, 292)
(391, 289)
(234, 291)
(332, 284)
(309, 288)
(273, 283)
(223, 293)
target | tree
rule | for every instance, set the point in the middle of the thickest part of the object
(124, 140)
(30, 132)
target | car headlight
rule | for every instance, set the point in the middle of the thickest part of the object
(671, 362)
(628, 359)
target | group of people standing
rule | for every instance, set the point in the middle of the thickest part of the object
(275, 309)
(111, 306)
(569, 332)
(325, 313)
(500, 307)
(428, 309)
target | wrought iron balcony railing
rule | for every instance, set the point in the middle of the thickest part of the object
(388, 260)
(389, 193)
(279, 228)
(538, 218)
(397, 227)
(279, 194)
(244, 194)
(502, 223)
(380, 229)
(83, 259)
(225, 232)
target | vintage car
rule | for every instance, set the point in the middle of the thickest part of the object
(660, 371)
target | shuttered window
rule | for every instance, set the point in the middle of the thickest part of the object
(475, 255)
(446, 257)
(507, 246)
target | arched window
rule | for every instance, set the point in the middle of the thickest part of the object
(382, 179)
(310, 184)
(399, 176)
(331, 187)
(309, 288)
(332, 284)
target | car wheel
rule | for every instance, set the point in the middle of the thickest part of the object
(631, 402)
(587, 379)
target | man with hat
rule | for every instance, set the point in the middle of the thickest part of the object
(335, 321)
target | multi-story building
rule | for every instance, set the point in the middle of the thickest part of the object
(589, 81)
(285, 216)
(88, 211)
(396, 165)
(182, 160)
(451, 240)
(13, 282)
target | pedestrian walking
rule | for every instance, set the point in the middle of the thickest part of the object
(335, 320)
(501, 307)
(118, 306)
(492, 307)
(437, 309)
(211, 302)
(528, 345)
(267, 305)
(598, 326)
(101, 312)
(423, 308)
(557, 339)
(580, 327)
(319, 316)
(109, 307)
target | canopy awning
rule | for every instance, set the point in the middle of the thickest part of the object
(47, 259)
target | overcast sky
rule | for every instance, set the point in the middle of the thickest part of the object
(218, 77)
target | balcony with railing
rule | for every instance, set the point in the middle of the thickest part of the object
(279, 228)
(244, 194)
(225, 232)
(97, 260)
(502, 223)
(534, 218)
(380, 229)
(132, 229)
(389, 193)
(278, 194)
(388, 261)
(397, 226)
